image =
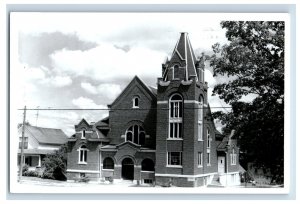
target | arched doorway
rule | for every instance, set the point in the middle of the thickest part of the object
(127, 169)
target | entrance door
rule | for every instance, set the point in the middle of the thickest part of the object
(221, 164)
(127, 169)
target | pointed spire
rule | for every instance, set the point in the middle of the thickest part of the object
(183, 56)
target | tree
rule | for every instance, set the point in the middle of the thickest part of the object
(253, 61)
(55, 164)
(26, 123)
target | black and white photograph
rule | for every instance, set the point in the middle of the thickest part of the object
(149, 102)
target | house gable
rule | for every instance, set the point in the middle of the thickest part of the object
(135, 87)
(83, 124)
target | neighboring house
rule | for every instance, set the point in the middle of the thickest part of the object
(164, 136)
(38, 142)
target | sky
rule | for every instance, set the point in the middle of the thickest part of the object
(85, 60)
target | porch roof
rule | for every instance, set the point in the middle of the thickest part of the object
(37, 151)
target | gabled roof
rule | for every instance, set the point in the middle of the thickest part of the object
(83, 121)
(46, 135)
(226, 142)
(139, 81)
(183, 55)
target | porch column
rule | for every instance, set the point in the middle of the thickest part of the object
(39, 165)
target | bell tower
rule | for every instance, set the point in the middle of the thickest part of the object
(180, 138)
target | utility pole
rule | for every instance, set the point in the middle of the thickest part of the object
(22, 146)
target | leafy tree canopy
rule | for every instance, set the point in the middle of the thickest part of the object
(253, 60)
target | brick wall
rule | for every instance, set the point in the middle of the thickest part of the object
(121, 120)
(190, 146)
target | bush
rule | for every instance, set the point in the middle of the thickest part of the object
(24, 169)
(54, 165)
(31, 173)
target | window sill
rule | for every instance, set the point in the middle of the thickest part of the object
(135, 107)
(84, 163)
(83, 138)
(200, 140)
(200, 166)
(208, 165)
(174, 166)
(108, 169)
(180, 139)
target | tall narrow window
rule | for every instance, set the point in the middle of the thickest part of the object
(200, 159)
(83, 134)
(82, 155)
(135, 102)
(175, 117)
(136, 134)
(233, 157)
(208, 158)
(200, 119)
(208, 138)
(176, 72)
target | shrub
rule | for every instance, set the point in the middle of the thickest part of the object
(24, 169)
(54, 165)
(31, 173)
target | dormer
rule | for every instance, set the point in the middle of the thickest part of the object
(83, 129)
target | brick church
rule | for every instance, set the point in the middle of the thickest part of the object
(164, 136)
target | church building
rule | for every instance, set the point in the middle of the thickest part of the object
(163, 136)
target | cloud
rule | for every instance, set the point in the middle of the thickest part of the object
(106, 62)
(34, 49)
(89, 88)
(61, 81)
(107, 90)
(111, 91)
(85, 103)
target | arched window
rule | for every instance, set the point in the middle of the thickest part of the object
(136, 134)
(108, 163)
(147, 165)
(200, 118)
(135, 102)
(82, 154)
(175, 116)
(83, 133)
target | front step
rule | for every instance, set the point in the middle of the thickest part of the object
(215, 182)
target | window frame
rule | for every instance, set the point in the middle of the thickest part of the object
(169, 159)
(82, 154)
(143, 165)
(175, 118)
(200, 159)
(140, 130)
(233, 157)
(208, 158)
(176, 71)
(134, 100)
(208, 137)
(105, 167)
(25, 142)
(83, 133)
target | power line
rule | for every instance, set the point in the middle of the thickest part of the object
(108, 109)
